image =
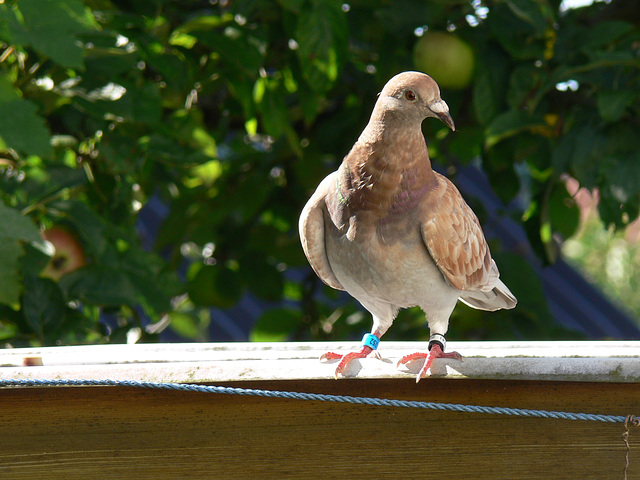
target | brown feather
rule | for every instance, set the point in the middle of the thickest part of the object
(454, 238)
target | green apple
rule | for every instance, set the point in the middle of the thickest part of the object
(68, 253)
(447, 58)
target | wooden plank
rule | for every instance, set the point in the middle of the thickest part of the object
(214, 362)
(121, 433)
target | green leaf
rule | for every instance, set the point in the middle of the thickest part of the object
(524, 283)
(490, 85)
(111, 61)
(146, 104)
(49, 182)
(36, 257)
(322, 37)
(275, 325)
(89, 225)
(7, 91)
(173, 67)
(237, 50)
(310, 102)
(14, 229)
(294, 6)
(563, 153)
(215, 286)
(7, 19)
(141, 104)
(562, 210)
(101, 285)
(43, 305)
(203, 23)
(262, 278)
(249, 195)
(613, 103)
(484, 101)
(509, 124)
(52, 27)
(575, 154)
(10, 279)
(578, 154)
(521, 38)
(523, 82)
(621, 175)
(185, 325)
(270, 97)
(615, 208)
(466, 144)
(503, 178)
(155, 287)
(530, 12)
(22, 129)
(15, 226)
(605, 32)
(9, 323)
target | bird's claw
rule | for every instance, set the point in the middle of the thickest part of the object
(429, 357)
(345, 359)
(325, 357)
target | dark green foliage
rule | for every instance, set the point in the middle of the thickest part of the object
(230, 113)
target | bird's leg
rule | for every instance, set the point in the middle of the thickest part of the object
(369, 344)
(436, 350)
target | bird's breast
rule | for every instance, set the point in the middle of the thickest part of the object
(400, 272)
(407, 196)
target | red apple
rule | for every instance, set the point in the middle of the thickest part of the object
(445, 57)
(68, 254)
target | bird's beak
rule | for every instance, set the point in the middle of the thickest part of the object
(441, 110)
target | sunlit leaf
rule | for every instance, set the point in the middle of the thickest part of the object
(185, 325)
(509, 124)
(275, 325)
(52, 27)
(321, 34)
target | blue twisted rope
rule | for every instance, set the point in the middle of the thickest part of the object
(381, 402)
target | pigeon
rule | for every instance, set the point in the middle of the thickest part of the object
(393, 233)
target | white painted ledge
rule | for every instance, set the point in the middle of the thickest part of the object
(221, 362)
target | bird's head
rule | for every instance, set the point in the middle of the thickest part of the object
(415, 95)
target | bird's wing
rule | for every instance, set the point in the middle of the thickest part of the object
(312, 232)
(454, 238)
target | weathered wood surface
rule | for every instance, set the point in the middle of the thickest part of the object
(214, 362)
(125, 433)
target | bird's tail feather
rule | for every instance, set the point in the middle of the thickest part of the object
(497, 298)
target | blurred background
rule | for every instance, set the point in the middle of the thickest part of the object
(155, 156)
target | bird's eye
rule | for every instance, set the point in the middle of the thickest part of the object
(409, 95)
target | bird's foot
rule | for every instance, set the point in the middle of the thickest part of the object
(369, 345)
(345, 359)
(434, 352)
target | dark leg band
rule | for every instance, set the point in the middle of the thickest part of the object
(436, 338)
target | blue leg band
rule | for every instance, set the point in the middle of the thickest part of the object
(370, 340)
